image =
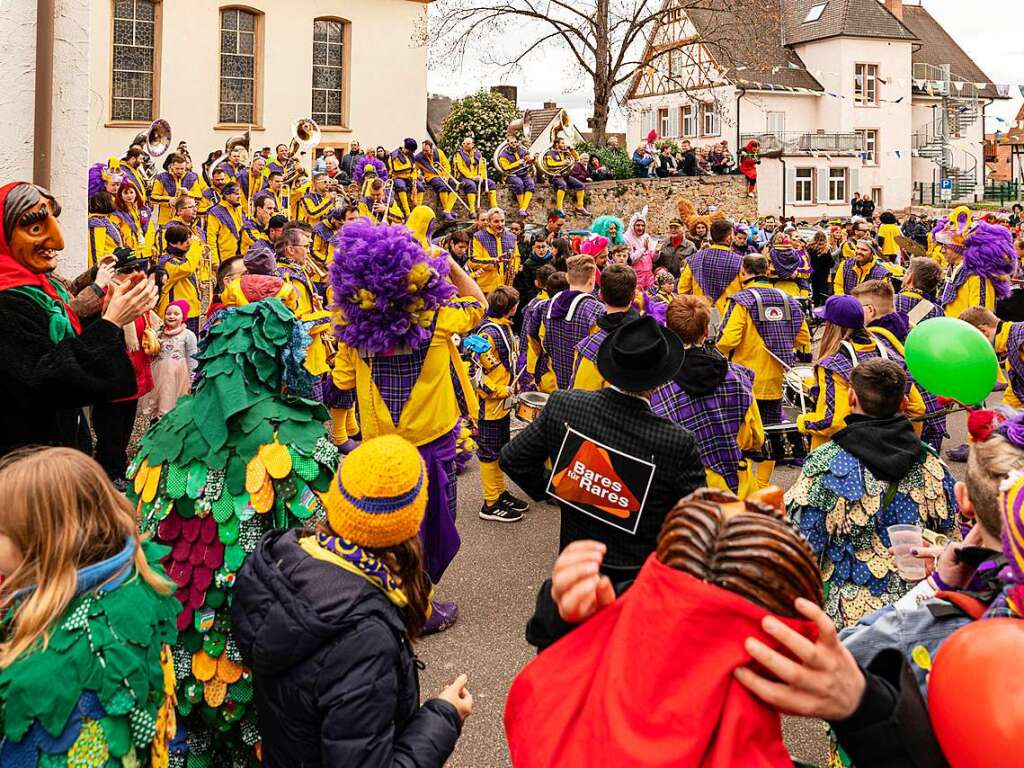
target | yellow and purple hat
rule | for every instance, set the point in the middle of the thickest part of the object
(379, 495)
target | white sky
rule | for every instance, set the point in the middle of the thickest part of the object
(988, 30)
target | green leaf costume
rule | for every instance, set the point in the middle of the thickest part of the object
(227, 464)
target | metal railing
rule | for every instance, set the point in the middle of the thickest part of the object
(1004, 191)
(803, 143)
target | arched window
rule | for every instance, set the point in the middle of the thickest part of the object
(330, 71)
(239, 66)
(134, 62)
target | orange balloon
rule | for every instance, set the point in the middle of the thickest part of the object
(975, 699)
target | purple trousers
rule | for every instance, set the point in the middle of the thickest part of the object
(522, 184)
(438, 533)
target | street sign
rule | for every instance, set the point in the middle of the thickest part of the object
(947, 184)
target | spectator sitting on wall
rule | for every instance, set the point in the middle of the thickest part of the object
(642, 160)
(689, 166)
(720, 158)
(666, 163)
(598, 171)
(580, 169)
(703, 163)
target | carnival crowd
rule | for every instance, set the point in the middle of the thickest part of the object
(316, 356)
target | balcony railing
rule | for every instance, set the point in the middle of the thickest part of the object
(803, 143)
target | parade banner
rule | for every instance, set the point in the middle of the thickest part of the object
(600, 481)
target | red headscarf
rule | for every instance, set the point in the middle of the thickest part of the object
(15, 275)
(648, 682)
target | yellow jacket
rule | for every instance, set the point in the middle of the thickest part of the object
(473, 168)
(888, 233)
(750, 438)
(490, 271)
(495, 379)
(166, 189)
(313, 207)
(104, 237)
(970, 294)
(688, 286)
(432, 409)
(181, 280)
(740, 342)
(833, 404)
(438, 167)
(224, 241)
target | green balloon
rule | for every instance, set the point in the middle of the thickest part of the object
(951, 358)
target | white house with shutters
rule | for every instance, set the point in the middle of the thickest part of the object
(845, 96)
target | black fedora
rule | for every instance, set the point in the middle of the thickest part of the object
(640, 355)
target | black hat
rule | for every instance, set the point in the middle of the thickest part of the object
(277, 221)
(640, 355)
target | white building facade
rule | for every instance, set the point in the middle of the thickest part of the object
(841, 103)
(215, 69)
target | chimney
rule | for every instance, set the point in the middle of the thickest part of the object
(895, 8)
(510, 92)
(550, 105)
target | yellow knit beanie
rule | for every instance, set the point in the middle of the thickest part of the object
(380, 493)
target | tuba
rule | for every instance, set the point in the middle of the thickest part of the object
(558, 131)
(305, 136)
(515, 128)
(158, 138)
(238, 142)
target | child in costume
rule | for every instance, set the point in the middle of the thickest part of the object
(981, 262)
(246, 452)
(721, 567)
(496, 381)
(713, 398)
(326, 618)
(569, 317)
(175, 363)
(846, 344)
(85, 668)
(538, 373)
(398, 307)
(873, 473)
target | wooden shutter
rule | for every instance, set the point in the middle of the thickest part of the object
(852, 182)
(821, 193)
(790, 185)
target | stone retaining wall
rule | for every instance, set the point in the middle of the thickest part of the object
(623, 197)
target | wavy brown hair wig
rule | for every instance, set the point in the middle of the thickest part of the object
(746, 547)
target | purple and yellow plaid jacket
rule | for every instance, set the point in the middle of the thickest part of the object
(568, 318)
(776, 331)
(905, 301)
(714, 269)
(851, 278)
(714, 419)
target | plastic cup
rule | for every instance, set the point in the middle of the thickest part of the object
(903, 538)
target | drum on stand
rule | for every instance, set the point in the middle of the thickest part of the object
(795, 387)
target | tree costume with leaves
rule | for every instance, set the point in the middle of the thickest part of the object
(226, 465)
(101, 691)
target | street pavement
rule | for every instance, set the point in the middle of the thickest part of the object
(495, 579)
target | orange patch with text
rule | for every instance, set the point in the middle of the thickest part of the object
(590, 479)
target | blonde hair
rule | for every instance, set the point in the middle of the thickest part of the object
(832, 337)
(62, 514)
(988, 464)
(579, 269)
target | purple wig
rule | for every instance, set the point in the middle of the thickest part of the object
(988, 251)
(358, 173)
(386, 287)
(96, 178)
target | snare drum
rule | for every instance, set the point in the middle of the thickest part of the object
(530, 404)
(783, 444)
(794, 385)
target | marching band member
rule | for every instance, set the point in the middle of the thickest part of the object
(210, 195)
(517, 165)
(471, 173)
(224, 225)
(275, 187)
(981, 261)
(131, 167)
(316, 203)
(366, 171)
(494, 259)
(324, 232)
(253, 179)
(403, 171)
(130, 220)
(922, 281)
(280, 163)
(538, 373)
(496, 379)
(436, 171)
(569, 317)
(181, 261)
(257, 229)
(294, 193)
(762, 327)
(714, 271)
(618, 289)
(185, 208)
(845, 344)
(558, 161)
(104, 235)
(713, 398)
(1008, 340)
(865, 265)
(375, 207)
(234, 166)
(175, 181)
(788, 266)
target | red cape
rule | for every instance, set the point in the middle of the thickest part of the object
(14, 275)
(648, 683)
